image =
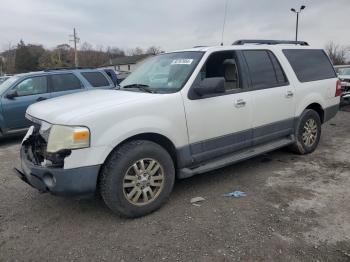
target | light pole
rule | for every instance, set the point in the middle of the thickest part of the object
(297, 25)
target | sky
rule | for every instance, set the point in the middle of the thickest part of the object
(170, 24)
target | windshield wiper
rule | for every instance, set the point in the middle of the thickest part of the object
(142, 87)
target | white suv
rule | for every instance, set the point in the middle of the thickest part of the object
(179, 114)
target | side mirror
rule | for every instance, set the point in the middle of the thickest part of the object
(210, 85)
(11, 94)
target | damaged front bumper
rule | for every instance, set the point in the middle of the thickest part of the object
(48, 176)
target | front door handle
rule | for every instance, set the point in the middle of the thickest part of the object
(240, 103)
(289, 94)
(41, 99)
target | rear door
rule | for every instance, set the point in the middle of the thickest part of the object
(273, 103)
(29, 91)
(64, 83)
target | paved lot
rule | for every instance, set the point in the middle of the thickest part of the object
(297, 208)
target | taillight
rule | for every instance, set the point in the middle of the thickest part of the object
(338, 88)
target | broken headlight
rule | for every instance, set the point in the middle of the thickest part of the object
(67, 137)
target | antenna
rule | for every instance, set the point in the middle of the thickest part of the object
(223, 26)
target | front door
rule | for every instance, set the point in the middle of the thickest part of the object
(28, 91)
(221, 123)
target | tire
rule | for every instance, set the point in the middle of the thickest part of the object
(309, 122)
(119, 192)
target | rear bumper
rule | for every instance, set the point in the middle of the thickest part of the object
(58, 181)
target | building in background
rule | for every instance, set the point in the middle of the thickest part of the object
(126, 63)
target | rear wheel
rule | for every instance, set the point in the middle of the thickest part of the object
(137, 178)
(308, 132)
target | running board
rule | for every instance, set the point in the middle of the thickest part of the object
(235, 157)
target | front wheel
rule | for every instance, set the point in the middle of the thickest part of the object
(137, 178)
(308, 132)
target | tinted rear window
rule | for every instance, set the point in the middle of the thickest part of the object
(65, 82)
(264, 69)
(96, 79)
(310, 65)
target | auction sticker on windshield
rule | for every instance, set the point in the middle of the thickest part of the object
(182, 62)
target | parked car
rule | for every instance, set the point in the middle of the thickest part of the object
(3, 79)
(20, 91)
(112, 75)
(122, 75)
(217, 106)
(344, 76)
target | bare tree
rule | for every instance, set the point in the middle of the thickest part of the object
(115, 52)
(86, 47)
(9, 56)
(337, 53)
(154, 50)
(136, 51)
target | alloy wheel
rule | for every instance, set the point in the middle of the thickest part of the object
(310, 132)
(143, 181)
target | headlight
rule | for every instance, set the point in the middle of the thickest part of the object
(67, 137)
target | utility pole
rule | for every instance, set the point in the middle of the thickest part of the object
(76, 40)
(297, 24)
(9, 61)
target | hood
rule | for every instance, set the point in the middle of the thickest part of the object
(62, 110)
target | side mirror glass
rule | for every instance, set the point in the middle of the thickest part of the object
(210, 85)
(11, 94)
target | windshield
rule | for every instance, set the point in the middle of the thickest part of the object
(164, 73)
(343, 71)
(5, 85)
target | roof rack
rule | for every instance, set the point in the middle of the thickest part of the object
(67, 68)
(270, 42)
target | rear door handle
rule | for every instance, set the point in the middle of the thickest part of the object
(289, 94)
(41, 99)
(240, 103)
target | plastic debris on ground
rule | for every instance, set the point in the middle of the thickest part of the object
(194, 201)
(235, 194)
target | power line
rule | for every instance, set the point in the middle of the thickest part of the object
(76, 40)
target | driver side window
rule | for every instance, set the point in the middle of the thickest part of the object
(222, 64)
(32, 86)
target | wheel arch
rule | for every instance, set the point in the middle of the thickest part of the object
(157, 138)
(319, 110)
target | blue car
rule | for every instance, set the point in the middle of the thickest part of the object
(20, 91)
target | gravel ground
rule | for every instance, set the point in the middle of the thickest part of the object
(297, 208)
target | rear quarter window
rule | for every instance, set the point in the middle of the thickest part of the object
(310, 65)
(96, 79)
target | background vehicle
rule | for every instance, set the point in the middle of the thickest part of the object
(122, 75)
(20, 91)
(112, 75)
(343, 72)
(180, 114)
(3, 79)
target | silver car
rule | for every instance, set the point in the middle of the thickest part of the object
(343, 72)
